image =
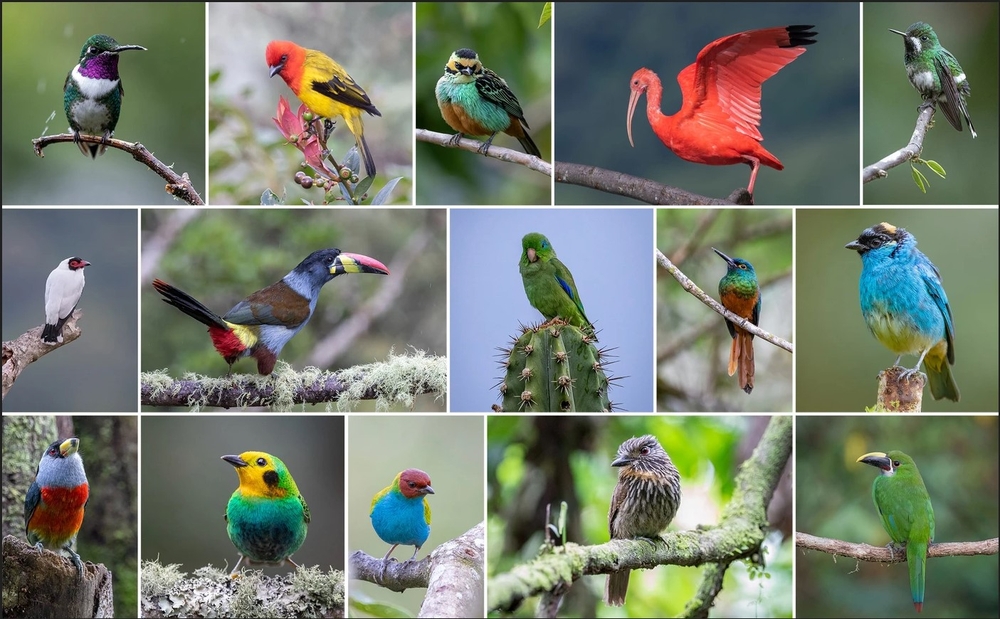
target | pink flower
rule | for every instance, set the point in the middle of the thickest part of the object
(295, 129)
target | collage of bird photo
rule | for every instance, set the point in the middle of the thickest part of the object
(509, 309)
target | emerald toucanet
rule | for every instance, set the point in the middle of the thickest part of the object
(260, 325)
(549, 284)
(905, 509)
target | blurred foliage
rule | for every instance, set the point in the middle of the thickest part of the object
(957, 458)
(838, 359)
(693, 376)
(509, 41)
(450, 450)
(222, 256)
(810, 110)
(247, 154)
(524, 466)
(163, 107)
(969, 31)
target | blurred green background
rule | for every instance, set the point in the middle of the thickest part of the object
(221, 256)
(97, 372)
(164, 104)
(969, 31)
(810, 110)
(693, 341)
(508, 40)
(372, 41)
(182, 517)
(528, 469)
(957, 458)
(839, 359)
(450, 450)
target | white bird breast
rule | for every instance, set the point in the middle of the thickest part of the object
(63, 290)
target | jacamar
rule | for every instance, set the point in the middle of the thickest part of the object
(740, 294)
(936, 74)
(904, 304)
(92, 94)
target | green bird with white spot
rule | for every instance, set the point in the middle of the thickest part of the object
(936, 74)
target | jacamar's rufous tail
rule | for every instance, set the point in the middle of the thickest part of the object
(740, 294)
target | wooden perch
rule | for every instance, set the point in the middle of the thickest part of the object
(45, 584)
(29, 347)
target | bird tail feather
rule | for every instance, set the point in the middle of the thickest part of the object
(941, 380)
(916, 560)
(616, 588)
(189, 305)
(366, 154)
(741, 358)
(529, 145)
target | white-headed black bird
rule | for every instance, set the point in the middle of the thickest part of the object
(63, 289)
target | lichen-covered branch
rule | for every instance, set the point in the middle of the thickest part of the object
(497, 152)
(642, 189)
(29, 347)
(882, 554)
(711, 586)
(210, 592)
(394, 382)
(702, 296)
(45, 584)
(739, 534)
(178, 185)
(880, 168)
(452, 574)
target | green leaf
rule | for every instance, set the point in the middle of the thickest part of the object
(268, 198)
(379, 609)
(919, 179)
(936, 167)
(383, 195)
(546, 14)
(362, 187)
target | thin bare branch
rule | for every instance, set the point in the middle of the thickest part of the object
(497, 152)
(28, 347)
(644, 190)
(882, 554)
(880, 169)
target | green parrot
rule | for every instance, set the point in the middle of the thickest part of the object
(905, 509)
(549, 284)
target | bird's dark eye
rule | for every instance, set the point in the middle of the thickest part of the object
(895, 463)
(411, 484)
(261, 462)
(91, 50)
(52, 452)
(644, 451)
(284, 58)
(743, 266)
(876, 242)
(923, 38)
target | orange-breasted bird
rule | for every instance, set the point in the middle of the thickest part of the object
(260, 325)
(53, 507)
(720, 114)
(325, 87)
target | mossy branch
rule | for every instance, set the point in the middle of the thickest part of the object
(28, 347)
(46, 584)
(178, 185)
(453, 575)
(210, 592)
(497, 152)
(739, 534)
(883, 554)
(717, 307)
(880, 169)
(644, 190)
(390, 383)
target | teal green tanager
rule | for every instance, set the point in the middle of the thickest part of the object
(266, 516)
(549, 284)
(905, 509)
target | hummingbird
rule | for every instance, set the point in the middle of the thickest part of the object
(935, 73)
(92, 94)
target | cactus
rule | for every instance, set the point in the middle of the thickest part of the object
(554, 367)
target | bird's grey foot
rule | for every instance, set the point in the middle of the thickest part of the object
(485, 148)
(455, 139)
(908, 374)
(75, 558)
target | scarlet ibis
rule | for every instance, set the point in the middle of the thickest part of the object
(720, 114)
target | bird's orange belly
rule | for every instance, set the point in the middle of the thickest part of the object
(460, 121)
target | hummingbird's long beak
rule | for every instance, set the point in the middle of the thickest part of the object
(125, 48)
(728, 260)
(902, 34)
